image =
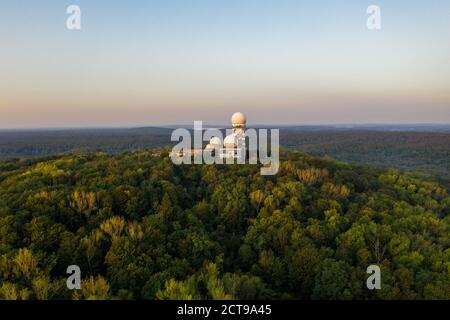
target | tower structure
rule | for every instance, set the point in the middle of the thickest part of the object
(234, 144)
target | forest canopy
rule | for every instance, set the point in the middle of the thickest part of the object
(141, 227)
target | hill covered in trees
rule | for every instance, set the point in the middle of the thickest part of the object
(415, 147)
(140, 227)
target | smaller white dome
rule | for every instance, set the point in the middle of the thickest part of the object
(238, 119)
(215, 141)
(230, 141)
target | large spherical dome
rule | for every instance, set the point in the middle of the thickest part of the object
(238, 119)
(230, 141)
(215, 141)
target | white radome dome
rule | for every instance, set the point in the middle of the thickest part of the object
(238, 119)
(215, 141)
(230, 141)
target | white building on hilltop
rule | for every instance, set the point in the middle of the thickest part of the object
(233, 144)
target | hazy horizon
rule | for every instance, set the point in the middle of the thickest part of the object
(224, 125)
(281, 62)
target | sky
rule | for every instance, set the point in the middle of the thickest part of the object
(166, 62)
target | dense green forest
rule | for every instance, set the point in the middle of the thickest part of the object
(142, 228)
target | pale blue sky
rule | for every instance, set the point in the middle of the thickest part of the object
(279, 61)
